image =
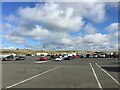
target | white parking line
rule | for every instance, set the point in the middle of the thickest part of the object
(40, 62)
(98, 82)
(33, 77)
(108, 74)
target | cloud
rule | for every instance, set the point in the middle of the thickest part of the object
(96, 38)
(6, 26)
(36, 32)
(94, 11)
(52, 23)
(53, 17)
(11, 47)
(112, 27)
(14, 39)
(96, 41)
(0, 26)
(90, 29)
(114, 35)
(10, 18)
(46, 22)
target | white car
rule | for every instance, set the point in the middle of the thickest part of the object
(58, 58)
(102, 55)
(95, 56)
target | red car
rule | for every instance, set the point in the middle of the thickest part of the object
(75, 56)
(43, 58)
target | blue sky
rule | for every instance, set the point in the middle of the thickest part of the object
(66, 26)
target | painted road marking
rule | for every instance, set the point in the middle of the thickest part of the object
(98, 82)
(33, 77)
(108, 74)
(40, 62)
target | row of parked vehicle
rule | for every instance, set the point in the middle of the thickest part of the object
(13, 58)
(57, 57)
(69, 57)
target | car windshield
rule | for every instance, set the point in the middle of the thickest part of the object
(58, 57)
(10, 56)
(17, 56)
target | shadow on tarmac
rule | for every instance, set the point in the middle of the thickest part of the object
(112, 69)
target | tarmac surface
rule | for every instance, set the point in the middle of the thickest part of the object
(76, 73)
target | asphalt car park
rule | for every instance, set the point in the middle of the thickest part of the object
(75, 73)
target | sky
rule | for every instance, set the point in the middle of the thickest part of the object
(60, 25)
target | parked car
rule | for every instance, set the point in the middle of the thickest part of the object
(75, 56)
(95, 55)
(28, 54)
(68, 58)
(52, 57)
(87, 55)
(19, 58)
(43, 58)
(102, 55)
(8, 58)
(58, 58)
(81, 56)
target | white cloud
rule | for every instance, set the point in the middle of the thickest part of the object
(37, 33)
(96, 41)
(94, 11)
(14, 39)
(96, 38)
(114, 35)
(6, 26)
(112, 27)
(0, 26)
(11, 47)
(11, 18)
(53, 17)
(52, 23)
(90, 29)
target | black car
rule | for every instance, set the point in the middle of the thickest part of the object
(87, 55)
(8, 58)
(68, 58)
(52, 57)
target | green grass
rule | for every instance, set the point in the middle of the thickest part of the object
(46, 51)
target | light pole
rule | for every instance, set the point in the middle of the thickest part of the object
(43, 47)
